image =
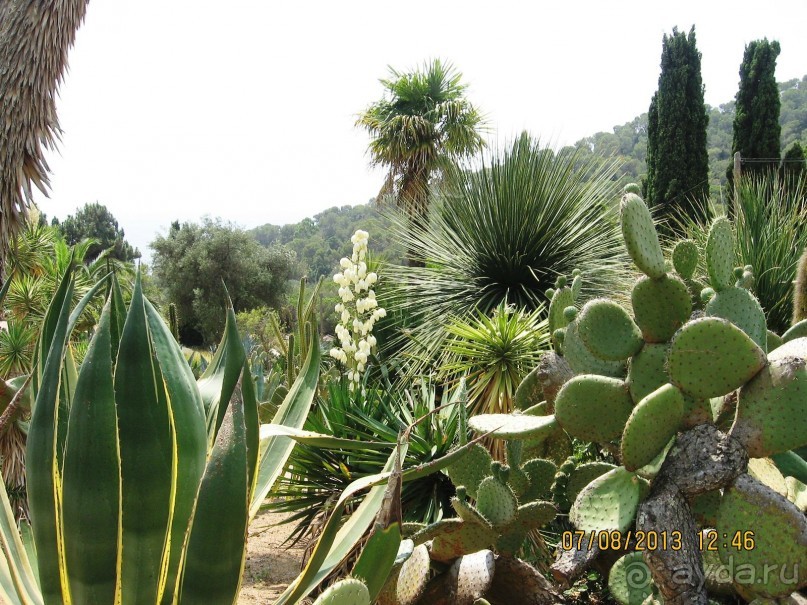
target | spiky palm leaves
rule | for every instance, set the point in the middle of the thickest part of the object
(34, 40)
(423, 124)
(504, 232)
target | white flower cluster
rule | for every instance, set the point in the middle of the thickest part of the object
(358, 310)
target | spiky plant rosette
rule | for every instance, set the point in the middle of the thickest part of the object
(503, 231)
(315, 477)
(495, 352)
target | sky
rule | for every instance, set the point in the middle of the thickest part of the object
(245, 110)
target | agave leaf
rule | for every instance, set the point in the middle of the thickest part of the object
(160, 469)
(219, 379)
(91, 477)
(42, 469)
(215, 552)
(318, 439)
(292, 413)
(188, 418)
(336, 543)
(18, 584)
(378, 555)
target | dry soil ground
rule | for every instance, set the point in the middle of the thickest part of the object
(270, 566)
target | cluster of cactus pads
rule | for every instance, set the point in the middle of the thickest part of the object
(700, 406)
(685, 390)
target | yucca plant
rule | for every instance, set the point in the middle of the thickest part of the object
(141, 482)
(494, 352)
(503, 231)
(769, 218)
(315, 477)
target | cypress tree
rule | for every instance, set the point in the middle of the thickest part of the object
(677, 160)
(793, 164)
(756, 119)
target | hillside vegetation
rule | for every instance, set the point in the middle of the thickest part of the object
(628, 141)
(319, 240)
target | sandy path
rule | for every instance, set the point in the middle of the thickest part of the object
(270, 566)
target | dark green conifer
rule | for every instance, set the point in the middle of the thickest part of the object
(677, 160)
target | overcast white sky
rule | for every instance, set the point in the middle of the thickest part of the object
(245, 109)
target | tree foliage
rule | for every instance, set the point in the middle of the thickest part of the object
(757, 131)
(95, 221)
(677, 159)
(421, 126)
(194, 262)
(320, 242)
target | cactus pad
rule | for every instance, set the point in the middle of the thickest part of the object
(471, 469)
(704, 507)
(541, 474)
(743, 310)
(594, 408)
(720, 254)
(584, 474)
(660, 306)
(765, 471)
(710, 357)
(345, 592)
(414, 576)
(496, 501)
(466, 512)
(474, 574)
(646, 372)
(779, 532)
(797, 493)
(640, 236)
(629, 580)
(529, 392)
(697, 411)
(609, 502)
(530, 516)
(651, 469)
(608, 331)
(583, 361)
(557, 447)
(771, 409)
(561, 298)
(456, 538)
(577, 285)
(798, 330)
(513, 426)
(685, 258)
(652, 423)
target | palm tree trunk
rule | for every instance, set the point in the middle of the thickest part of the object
(35, 36)
(414, 197)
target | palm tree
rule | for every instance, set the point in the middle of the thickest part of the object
(423, 124)
(35, 37)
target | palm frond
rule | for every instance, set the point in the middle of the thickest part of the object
(503, 232)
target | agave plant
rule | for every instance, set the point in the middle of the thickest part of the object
(141, 482)
(503, 232)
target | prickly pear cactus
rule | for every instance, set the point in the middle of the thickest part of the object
(345, 592)
(649, 380)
